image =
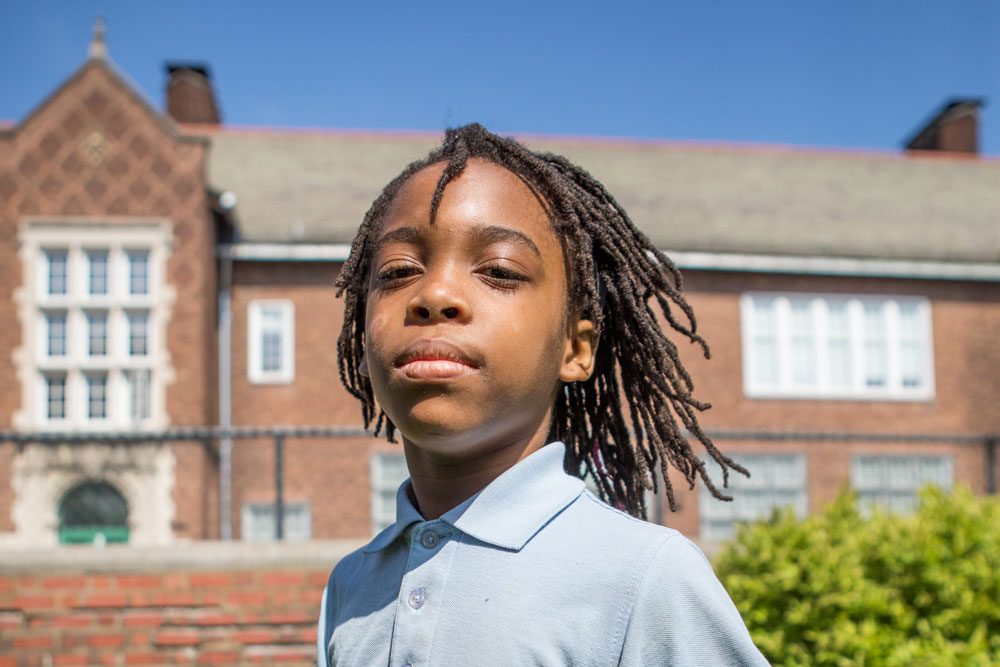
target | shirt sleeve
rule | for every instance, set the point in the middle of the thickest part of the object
(683, 616)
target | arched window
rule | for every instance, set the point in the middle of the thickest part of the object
(93, 512)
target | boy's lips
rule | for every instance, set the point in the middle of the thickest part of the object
(434, 359)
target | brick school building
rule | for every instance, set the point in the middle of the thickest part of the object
(161, 271)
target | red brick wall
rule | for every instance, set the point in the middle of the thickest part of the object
(965, 319)
(316, 395)
(177, 617)
(332, 474)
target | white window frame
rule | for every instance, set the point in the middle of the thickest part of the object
(45, 388)
(292, 531)
(81, 239)
(384, 486)
(93, 316)
(132, 255)
(137, 382)
(718, 519)
(91, 254)
(48, 317)
(138, 322)
(857, 389)
(255, 342)
(899, 495)
(88, 399)
(48, 254)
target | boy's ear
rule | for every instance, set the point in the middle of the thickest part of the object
(580, 352)
(363, 366)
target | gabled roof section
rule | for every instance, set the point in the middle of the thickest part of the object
(118, 80)
(316, 186)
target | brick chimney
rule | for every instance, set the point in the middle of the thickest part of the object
(954, 129)
(190, 98)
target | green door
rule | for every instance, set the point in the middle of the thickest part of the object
(93, 511)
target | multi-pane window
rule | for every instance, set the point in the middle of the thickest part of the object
(892, 481)
(777, 480)
(138, 272)
(258, 522)
(388, 471)
(271, 344)
(836, 346)
(97, 396)
(97, 334)
(138, 334)
(55, 334)
(94, 344)
(57, 274)
(97, 272)
(55, 396)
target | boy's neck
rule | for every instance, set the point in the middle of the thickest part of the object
(443, 483)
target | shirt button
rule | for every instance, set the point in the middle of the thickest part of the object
(418, 597)
(429, 539)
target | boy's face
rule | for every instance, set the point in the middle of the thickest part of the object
(467, 335)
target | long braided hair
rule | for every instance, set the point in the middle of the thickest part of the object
(615, 274)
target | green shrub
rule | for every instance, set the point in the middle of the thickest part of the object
(837, 588)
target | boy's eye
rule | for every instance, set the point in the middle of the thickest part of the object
(394, 274)
(502, 277)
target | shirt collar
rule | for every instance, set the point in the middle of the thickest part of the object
(509, 511)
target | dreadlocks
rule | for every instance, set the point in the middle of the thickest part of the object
(614, 275)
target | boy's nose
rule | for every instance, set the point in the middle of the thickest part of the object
(436, 303)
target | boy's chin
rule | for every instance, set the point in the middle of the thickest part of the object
(457, 433)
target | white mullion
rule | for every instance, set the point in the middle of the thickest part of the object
(288, 340)
(75, 277)
(821, 343)
(893, 342)
(855, 319)
(783, 335)
(927, 352)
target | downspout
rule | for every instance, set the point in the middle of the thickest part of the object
(225, 395)
(225, 202)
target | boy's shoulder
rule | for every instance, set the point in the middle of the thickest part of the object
(591, 525)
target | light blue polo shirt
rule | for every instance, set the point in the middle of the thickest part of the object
(533, 570)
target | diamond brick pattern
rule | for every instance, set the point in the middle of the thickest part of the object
(72, 123)
(8, 186)
(50, 145)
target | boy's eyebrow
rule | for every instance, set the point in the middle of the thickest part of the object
(481, 236)
(497, 234)
(400, 235)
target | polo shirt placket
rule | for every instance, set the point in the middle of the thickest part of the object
(422, 592)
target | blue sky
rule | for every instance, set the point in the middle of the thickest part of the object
(829, 73)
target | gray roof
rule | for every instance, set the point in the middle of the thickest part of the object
(316, 186)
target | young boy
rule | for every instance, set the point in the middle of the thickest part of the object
(496, 316)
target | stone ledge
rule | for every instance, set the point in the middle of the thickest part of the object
(207, 555)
